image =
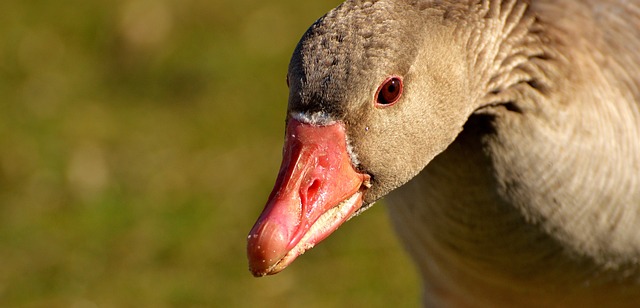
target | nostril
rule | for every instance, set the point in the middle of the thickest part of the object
(309, 195)
(313, 189)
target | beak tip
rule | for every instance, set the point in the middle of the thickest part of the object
(257, 273)
(266, 246)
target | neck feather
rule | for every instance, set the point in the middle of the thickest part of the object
(510, 55)
(566, 122)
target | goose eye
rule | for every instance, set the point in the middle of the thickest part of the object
(389, 92)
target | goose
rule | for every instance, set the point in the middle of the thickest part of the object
(505, 135)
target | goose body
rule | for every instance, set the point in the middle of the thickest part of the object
(506, 133)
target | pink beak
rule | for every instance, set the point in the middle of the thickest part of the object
(317, 190)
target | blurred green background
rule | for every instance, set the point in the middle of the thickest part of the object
(139, 141)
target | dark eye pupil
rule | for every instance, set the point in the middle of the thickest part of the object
(390, 91)
(391, 86)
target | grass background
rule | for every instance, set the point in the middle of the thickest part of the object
(138, 143)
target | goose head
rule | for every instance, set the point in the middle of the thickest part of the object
(376, 90)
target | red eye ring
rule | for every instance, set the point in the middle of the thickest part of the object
(389, 92)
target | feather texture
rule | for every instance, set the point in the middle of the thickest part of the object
(537, 202)
(525, 116)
